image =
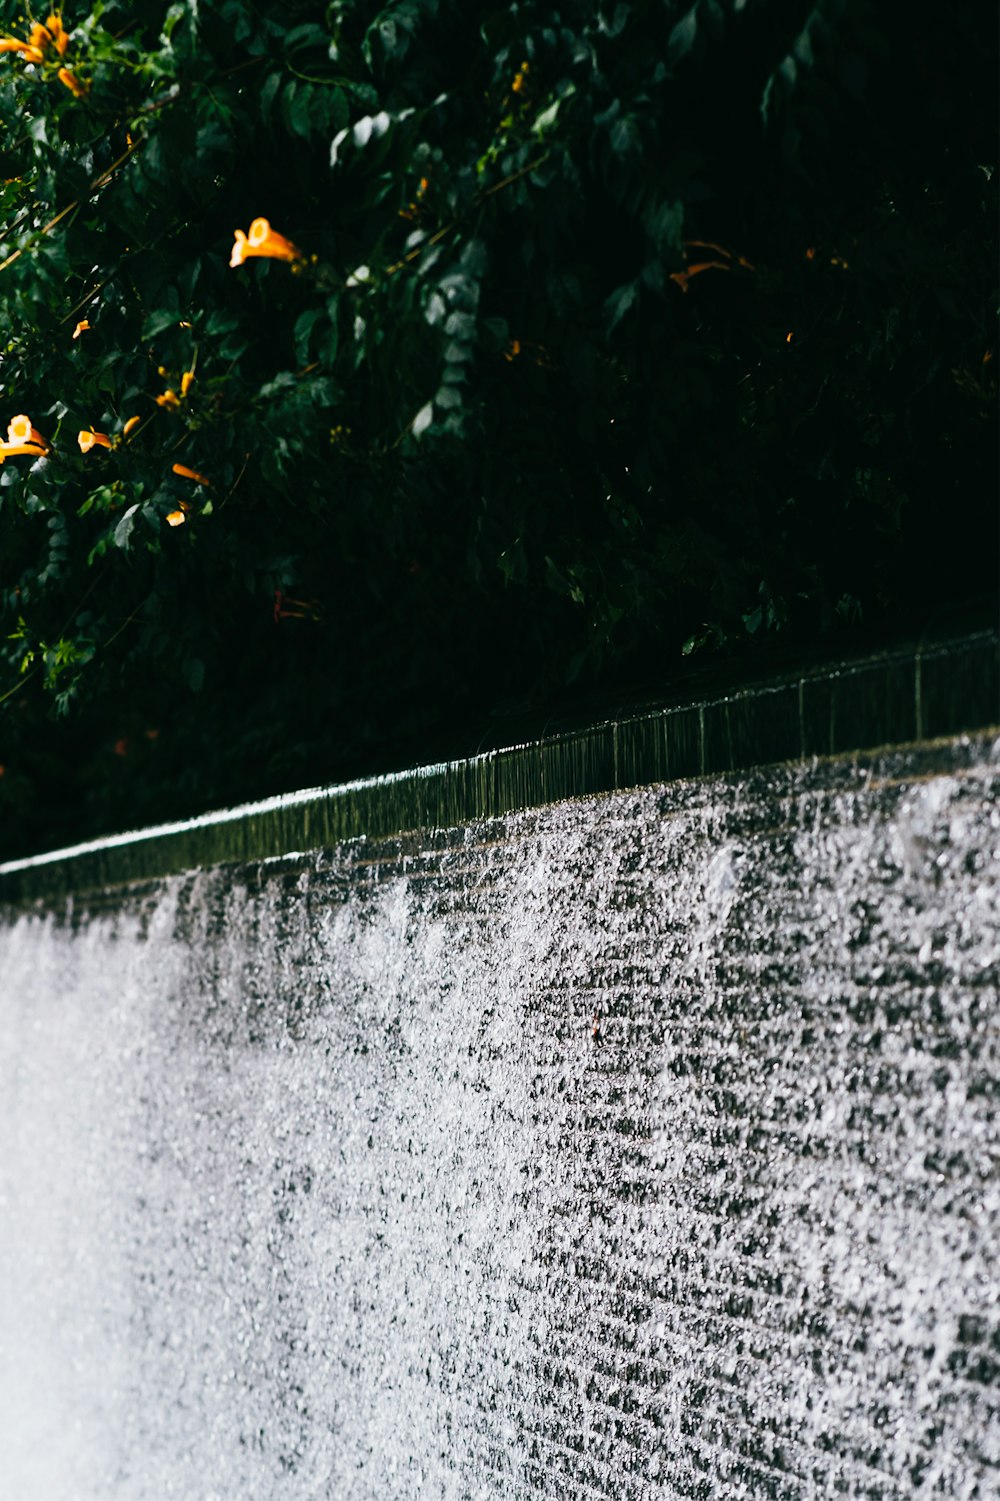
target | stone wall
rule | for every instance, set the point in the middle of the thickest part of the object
(638, 1146)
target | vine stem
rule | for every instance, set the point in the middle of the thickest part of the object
(25, 678)
(95, 186)
(497, 187)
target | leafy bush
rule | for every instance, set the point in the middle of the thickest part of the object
(566, 337)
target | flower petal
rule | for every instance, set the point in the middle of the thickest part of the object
(239, 251)
(11, 450)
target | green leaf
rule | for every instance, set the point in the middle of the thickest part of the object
(123, 531)
(305, 323)
(619, 303)
(546, 120)
(158, 322)
(268, 94)
(306, 35)
(295, 103)
(422, 420)
(682, 38)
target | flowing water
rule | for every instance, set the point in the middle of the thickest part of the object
(638, 1146)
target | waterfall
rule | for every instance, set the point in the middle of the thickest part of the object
(635, 1145)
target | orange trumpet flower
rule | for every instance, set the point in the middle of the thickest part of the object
(48, 34)
(77, 89)
(263, 240)
(683, 278)
(54, 27)
(29, 52)
(186, 473)
(20, 430)
(89, 439)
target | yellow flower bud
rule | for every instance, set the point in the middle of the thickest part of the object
(77, 89)
(186, 473)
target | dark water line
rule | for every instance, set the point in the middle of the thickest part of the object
(914, 693)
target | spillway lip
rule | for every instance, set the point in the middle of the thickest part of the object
(915, 694)
(278, 803)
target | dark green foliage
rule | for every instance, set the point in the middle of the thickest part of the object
(621, 331)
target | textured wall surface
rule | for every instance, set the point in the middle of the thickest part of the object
(637, 1147)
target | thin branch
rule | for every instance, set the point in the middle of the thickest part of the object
(235, 482)
(95, 186)
(88, 297)
(26, 678)
(97, 579)
(126, 622)
(515, 176)
(497, 187)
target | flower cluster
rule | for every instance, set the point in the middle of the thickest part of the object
(22, 437)
(89, 437)
(169, 398)
(40, 38)
(45, 37)
(178, 517)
